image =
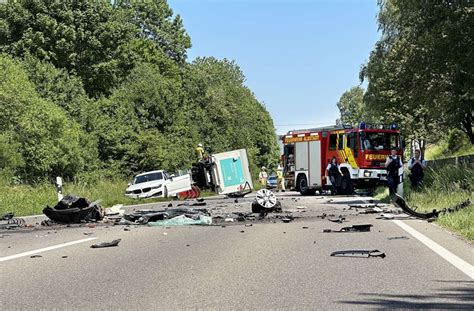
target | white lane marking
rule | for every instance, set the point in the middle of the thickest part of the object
(41, 250)
(462, 265)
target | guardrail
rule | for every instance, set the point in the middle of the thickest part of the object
(463, 160)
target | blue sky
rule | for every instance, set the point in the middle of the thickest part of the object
(298, 56)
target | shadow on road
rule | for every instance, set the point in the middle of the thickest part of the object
(460, 296)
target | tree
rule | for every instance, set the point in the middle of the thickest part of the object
(420, 73)
(351, 106)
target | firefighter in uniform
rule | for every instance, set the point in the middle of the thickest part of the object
(393, 164)
(263, 176)
(280, 179)
(200, 152)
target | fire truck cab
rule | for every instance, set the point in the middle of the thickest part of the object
(360, 152)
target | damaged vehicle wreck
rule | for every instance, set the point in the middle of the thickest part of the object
(156, 184)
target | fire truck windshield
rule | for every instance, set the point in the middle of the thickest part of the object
(379, 141)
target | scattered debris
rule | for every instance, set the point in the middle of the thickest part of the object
(47, 223)
(301, 207)
(386, 216)
(107, 244)
(372, 210)
(338, 220)
(11, 222)
(403, 237)
(359, 253)
(88, 233)
(36, 256)
(400, 202)
(115, 210)
(170, 205)
(73, 209)
(305, 227)
(126, 229)
(229, 220)
(63, 256)
(248, 225)
(287, 219)
(242, 231)
(183, 220)
(353, 228)
(266, 202)
(7, 216)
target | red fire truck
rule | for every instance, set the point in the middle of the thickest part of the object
(361, 153)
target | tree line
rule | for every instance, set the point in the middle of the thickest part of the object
(105, 86)
(420, 73)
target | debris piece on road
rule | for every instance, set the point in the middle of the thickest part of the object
(305, 227)
(107, 244)
(36, 256)
(353, 228)
(403, 237)
(126, 229)
(170, 205)
(287, 219)
(88, 233)
(248, 225)
(115, 210)
(242, 231)
(13, 223)
(301, 207)
(359, 253)
(266, 202)
(386, 216)
(183, 220)
(338, 220)
(7, 216)
(400, 202)
(74, 209)
(372, 210)
(63, 256)
(229, 220)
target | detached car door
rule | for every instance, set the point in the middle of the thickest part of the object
(177, 184)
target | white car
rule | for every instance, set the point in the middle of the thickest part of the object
(157, 184)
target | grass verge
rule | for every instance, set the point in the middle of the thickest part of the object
(26, 200)
(445, 187)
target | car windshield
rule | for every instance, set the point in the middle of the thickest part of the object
(148, 177)
(379, 141)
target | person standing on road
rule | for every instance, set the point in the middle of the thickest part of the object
(263, 176)
(333, 172)
(393, 164)
(280, 179)
(416, 165)
(200, 152)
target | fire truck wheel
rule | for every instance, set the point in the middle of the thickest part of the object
(347, 187)
(302, 184)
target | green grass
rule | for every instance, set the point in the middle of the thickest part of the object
(445, 187)
(441, 150)
(26, 200)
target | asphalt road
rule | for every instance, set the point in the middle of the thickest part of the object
(268, 265)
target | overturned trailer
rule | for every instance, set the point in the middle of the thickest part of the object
(224, 173)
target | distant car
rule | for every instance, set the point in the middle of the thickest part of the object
(157, 184)
(272, 182)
